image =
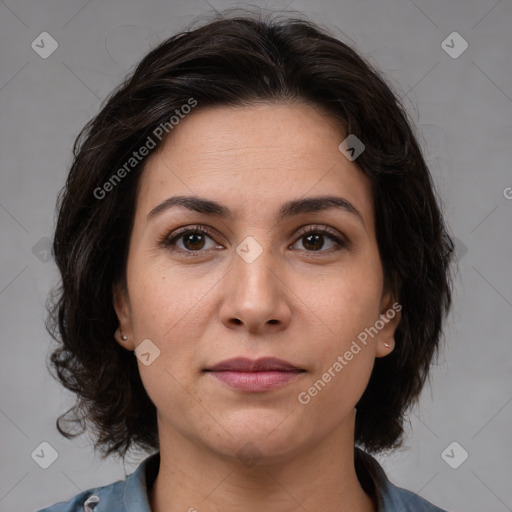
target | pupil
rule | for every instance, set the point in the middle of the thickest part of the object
(317, 237)
(190, 241)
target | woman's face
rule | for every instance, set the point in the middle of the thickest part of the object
(257, 284)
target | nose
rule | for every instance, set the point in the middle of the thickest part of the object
(256, 296)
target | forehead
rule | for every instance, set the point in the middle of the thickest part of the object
(254, 158)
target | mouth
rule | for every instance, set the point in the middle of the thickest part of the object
(262, 374)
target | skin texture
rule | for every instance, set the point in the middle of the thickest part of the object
(293, 302)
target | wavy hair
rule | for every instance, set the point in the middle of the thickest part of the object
(237, 61)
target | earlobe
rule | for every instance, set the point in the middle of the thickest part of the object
(123, 339)
(386, 349)
(390, 316)
(123, 334)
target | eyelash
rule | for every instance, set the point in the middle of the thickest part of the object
(168, 241)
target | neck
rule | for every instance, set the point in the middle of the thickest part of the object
(322, 477)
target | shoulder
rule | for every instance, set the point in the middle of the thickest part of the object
(388, 497)
(398, 499)
(86, 501)
(113, 497)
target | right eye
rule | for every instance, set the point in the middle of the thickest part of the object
(193, 239)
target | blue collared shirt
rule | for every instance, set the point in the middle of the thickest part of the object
(130, 495)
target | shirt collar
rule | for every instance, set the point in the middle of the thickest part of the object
(136, 498)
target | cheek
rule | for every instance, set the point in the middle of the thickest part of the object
(163, 299)
(342, 352)
(331, 395)
(346, 304)
(167, 312)
(169, 308)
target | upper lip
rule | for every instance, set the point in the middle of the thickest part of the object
(244, 364)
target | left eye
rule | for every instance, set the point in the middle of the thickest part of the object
(314, 239)
(194, 240)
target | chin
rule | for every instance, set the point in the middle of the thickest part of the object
(258, 438)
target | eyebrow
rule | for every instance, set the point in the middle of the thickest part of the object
(287, 210)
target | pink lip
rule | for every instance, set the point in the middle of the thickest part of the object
(256, 381)
(244, 364)
(261, 374)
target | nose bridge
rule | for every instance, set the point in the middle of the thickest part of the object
(254, 295)
(252, 272)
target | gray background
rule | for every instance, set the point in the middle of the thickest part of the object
(463, 110)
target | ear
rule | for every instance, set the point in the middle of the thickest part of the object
(390, 315)
(122, 307)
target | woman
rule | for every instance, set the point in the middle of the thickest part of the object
(250, 216)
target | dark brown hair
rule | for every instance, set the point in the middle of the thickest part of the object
(235, 61)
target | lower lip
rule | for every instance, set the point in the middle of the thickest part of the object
(255, 381)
